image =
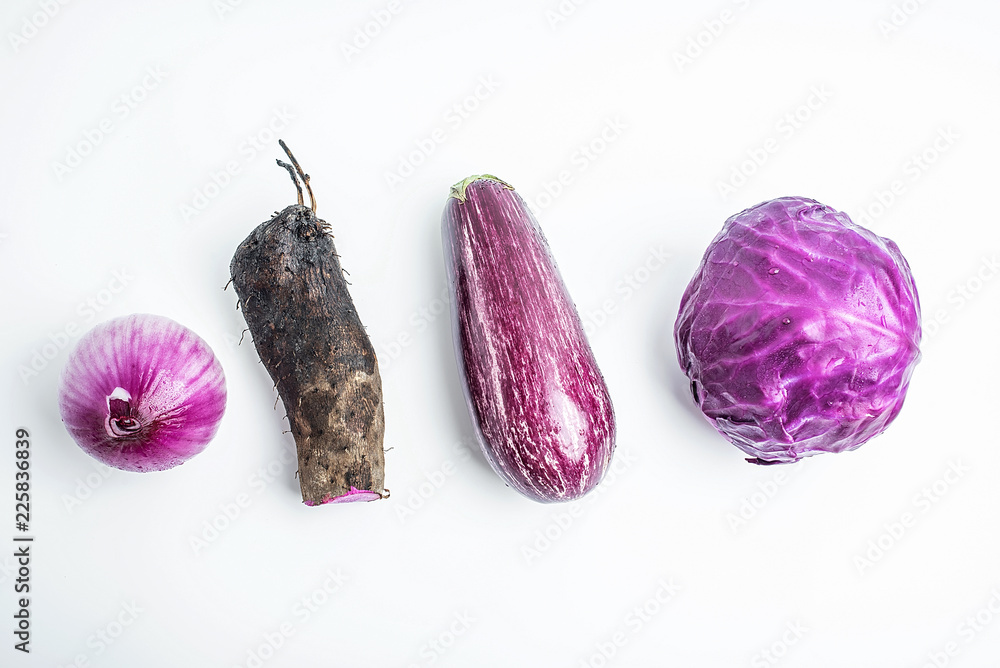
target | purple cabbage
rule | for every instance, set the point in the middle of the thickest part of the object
(538, 401)
(799, 332)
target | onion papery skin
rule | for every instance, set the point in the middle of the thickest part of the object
(540, 406)
(142, 393)
(799, 332)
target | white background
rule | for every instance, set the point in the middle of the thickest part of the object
(445, 574)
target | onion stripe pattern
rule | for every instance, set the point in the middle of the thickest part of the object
(142, 393)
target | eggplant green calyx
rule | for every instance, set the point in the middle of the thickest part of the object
(458, 190)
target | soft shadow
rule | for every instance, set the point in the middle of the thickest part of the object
(447, 364)
(277, 434)
(279, 439)
(669, 374)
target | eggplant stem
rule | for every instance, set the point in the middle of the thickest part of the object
(458, 190)
(302, 175)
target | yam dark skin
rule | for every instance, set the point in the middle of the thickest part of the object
(294, 298)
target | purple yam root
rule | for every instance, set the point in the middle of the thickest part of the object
(307, 332)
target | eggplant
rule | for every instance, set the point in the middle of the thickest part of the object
(540, 406)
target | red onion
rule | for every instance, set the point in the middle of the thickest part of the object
(142, 393)
(539, 403)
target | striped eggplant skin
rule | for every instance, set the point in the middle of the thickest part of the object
(538, 401)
